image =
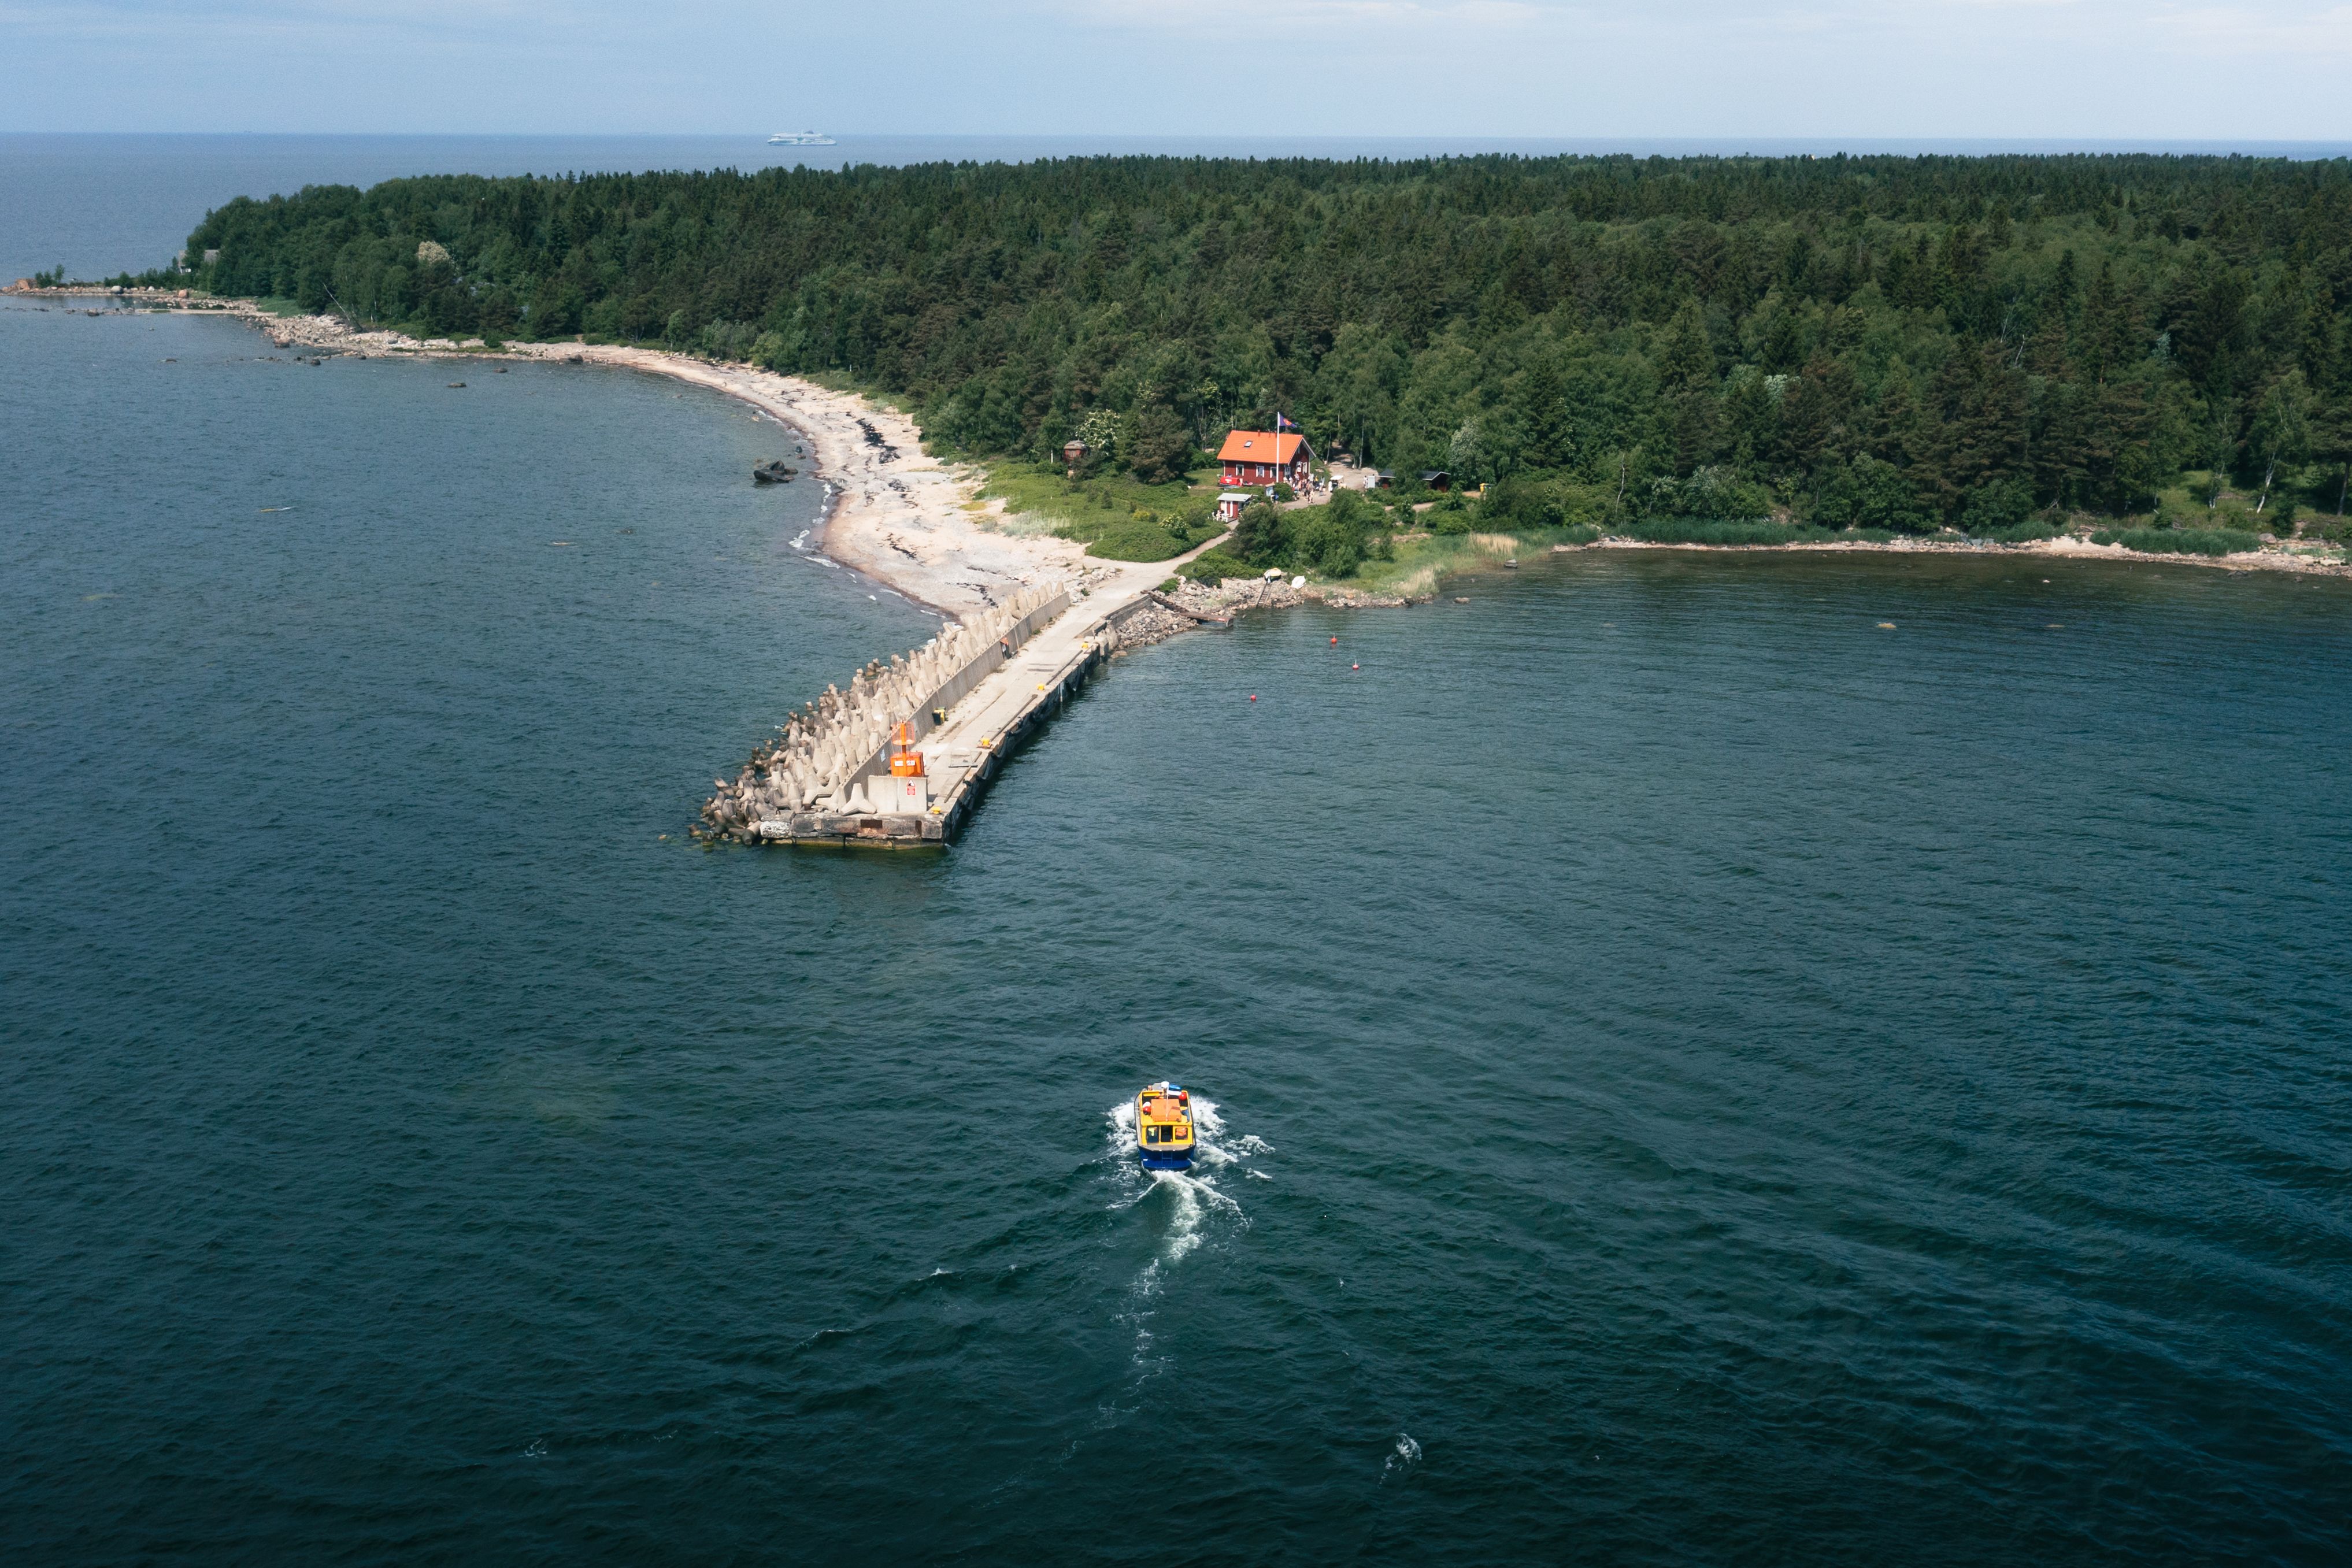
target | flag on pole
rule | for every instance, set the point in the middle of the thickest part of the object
(1281, 424)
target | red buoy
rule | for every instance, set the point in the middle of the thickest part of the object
(1355, 666)
(1335, 642)
(1253, 696)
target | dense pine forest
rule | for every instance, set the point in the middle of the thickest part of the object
(1992, 343)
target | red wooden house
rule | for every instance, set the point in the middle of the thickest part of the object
(1266, 458)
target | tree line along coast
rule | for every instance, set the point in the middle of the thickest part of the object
(2155, 350)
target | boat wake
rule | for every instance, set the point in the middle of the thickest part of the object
(1194, 1201)
(1194, 1195)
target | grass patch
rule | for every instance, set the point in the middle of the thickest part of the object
(2179, 541)
(1139, 539)
(1116, 516)
(1421, 559)
(275, 306)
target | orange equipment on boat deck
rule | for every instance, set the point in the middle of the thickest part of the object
(906, 762)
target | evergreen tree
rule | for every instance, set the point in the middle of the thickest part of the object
(2086, 326)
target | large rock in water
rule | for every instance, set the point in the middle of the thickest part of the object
(773, 472)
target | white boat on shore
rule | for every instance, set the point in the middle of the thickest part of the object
(800, 139)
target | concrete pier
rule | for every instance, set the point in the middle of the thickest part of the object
(969, 698)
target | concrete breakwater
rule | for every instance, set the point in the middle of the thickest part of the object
(828, 774)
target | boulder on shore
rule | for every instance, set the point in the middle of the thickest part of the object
(773, 472)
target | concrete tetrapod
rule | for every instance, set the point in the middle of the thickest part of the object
(825, 751)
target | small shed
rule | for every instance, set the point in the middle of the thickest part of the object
(1436, 479)
(1231, 501)
(1383, 480)
(1074, 452)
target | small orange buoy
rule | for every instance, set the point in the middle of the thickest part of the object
(1355, 666)
(1253, 696)
(1335, 642)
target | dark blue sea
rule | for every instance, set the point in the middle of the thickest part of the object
(1697, 1076)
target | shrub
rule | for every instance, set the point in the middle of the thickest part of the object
(1991, 507)
(1214, 566)
(732, 339)
(1727, 531)
(2179, 541)
(1523, 505)
(1708, 492)
(1326, 540)
(1867, 493)
(1330, 541)
(1260, 534)
(1449, 515)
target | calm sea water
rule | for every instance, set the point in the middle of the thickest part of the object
(1697, 1076)
(100, 204)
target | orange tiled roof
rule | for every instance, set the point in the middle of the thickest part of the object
(1261, 447)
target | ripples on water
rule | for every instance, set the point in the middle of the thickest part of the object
(1700, 1076)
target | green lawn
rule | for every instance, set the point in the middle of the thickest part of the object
(1422, 559)
(1118, 517)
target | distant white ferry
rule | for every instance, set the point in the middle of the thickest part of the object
(800, 139)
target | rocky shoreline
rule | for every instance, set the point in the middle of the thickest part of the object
(1191, 605)
(2067, 547)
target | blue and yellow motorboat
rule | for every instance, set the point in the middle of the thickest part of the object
(1163, 1127)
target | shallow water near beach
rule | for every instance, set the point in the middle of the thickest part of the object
(1693, 1074)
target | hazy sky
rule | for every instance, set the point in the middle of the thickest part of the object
(2260, 70)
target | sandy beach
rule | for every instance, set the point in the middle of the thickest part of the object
(894, 513)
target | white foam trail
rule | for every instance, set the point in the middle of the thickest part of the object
(1184, 1225)
(1405, 1455)
(1193, 1197)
